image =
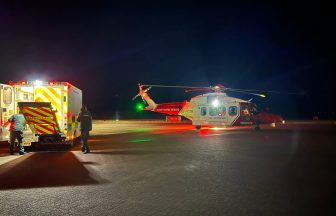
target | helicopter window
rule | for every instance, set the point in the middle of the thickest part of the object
(203, 111)
(213, 111)
(221, 111)
(212, 98)
(233, 110)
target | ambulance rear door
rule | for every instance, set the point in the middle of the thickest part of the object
(55, 95)
(40, 117)
(6, 108)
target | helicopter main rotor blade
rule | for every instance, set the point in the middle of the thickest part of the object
(168, 86)
(264, 91)
(197, 89)
(220, 88)
(245, 92)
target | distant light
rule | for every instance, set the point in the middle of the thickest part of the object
(215, 103)
(37, 82)
(140, 140)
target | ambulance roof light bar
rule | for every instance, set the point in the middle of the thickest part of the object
(37, 82)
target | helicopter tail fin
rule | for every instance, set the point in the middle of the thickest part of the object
(145, 97)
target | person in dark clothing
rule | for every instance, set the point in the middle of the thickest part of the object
(85, 120)
(17, 123)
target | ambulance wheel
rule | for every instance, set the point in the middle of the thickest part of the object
(198, 127)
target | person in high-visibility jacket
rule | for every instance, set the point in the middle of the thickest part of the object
(17, 124)
(85, 120)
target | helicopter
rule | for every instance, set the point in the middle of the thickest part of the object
(215, 108)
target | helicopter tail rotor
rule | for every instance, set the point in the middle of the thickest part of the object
(145, 97)
(141, 92)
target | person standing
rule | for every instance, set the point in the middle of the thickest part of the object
(85, 120)
(17, 124)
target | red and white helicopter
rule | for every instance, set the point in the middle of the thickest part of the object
(211, 109)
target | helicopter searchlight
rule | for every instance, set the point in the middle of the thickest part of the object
(215, 103)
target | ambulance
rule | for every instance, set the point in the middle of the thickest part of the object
(50, 108)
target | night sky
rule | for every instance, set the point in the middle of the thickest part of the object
(106, 49)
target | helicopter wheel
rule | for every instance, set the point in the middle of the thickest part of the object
(198, 127)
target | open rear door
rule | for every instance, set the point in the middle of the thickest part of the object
(40, 117)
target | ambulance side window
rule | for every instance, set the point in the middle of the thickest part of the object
(7, 99)
(233, 110)
(203, 111)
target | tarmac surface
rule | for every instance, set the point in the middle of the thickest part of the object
(157, 168)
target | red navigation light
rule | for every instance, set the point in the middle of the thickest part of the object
(22, 82)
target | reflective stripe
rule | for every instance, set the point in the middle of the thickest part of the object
(41, 119)
(53, 95)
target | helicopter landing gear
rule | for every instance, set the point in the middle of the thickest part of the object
(257, 125)
(198, 127)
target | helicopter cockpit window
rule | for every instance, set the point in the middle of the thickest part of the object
(233, 110)
(7, 96)
(244, 110)
(213, 111)
(203, 111)
(214, 99)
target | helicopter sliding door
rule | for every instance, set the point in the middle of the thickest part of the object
(211, 111)
(218, 115)
(233, 113)
(211, 115)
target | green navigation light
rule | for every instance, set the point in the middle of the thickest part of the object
(139, 107)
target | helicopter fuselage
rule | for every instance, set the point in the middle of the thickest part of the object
(211, 109)
(217, 109)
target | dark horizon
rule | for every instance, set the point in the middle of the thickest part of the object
(106, 49)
